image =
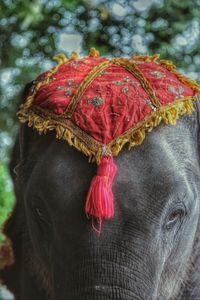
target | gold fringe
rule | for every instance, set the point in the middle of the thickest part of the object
(132, 68)
(172, 68)
(42, 126)
(167, 64)
(60, 58)
(148, 58)
(83, 86)
(93, 52)
(134, 136)
(74, 55)
(168, 113)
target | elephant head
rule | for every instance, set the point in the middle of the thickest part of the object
(149, 247)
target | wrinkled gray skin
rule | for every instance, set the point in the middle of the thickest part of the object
(149, 251)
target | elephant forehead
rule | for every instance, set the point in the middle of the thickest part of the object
(158, 157)
(62, 176)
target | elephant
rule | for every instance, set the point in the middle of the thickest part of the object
(150, 250)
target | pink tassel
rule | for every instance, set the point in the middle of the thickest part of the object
(100, 200)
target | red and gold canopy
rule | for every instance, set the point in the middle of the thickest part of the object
(98, 104)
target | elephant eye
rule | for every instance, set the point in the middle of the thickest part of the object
(39, 212)
(174, 217)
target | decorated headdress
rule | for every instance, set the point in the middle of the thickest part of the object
(98, 105)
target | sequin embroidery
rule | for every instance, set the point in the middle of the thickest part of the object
(96, 101)
(157, 74)
(178, 91)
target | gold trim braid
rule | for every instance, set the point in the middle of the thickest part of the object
(43, 121)
(60, 58)
(167, 64)
(172, 68)
(168, 113)
(123, 62)
(83, 86)
(133, 69)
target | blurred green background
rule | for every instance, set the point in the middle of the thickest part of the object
(32, 32)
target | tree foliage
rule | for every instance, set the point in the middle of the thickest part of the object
(6, 196)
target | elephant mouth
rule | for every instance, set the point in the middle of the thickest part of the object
(99, 278)
(105, 292)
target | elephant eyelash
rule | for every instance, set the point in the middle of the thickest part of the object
(39, 212)
(40, 215)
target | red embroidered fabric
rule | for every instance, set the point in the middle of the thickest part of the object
(114, 101)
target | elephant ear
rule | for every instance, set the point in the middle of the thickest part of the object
(18, 152)
(22, 141)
